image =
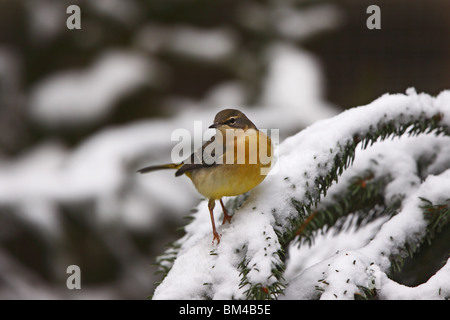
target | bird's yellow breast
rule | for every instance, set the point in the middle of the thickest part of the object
(241, 175)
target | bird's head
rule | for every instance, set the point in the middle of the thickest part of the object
(232, 119)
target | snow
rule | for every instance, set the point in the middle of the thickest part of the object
(217, 264)
(437, 287)
(123, 11)
(97, 170)
(289, 21)
(294, 84)
(202, 43)
(299, 24)
(230, 93)
(251, 237)
(74, 97)
(396, 158)
(205, 44)
(394, 233)
(327, 244)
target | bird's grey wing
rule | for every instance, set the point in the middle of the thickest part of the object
(210, 154)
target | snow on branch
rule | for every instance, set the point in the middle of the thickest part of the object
(313, 186)
(344, 274)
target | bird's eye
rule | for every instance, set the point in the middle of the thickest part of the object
(232, 121)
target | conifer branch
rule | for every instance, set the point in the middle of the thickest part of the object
(297, 197)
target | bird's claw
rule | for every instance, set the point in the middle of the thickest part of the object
(216, 237)
(226, 218)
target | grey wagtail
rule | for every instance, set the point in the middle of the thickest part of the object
(235, 160)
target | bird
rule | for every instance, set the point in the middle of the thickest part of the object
(234, 161)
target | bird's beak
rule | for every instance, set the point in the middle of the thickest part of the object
(214, 126)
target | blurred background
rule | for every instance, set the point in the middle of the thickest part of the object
(81, 110)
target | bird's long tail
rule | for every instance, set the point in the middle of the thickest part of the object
(159, 167)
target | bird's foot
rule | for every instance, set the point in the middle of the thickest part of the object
(216, 237)
(226, 218)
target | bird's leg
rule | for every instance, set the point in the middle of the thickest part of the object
(211, 204)
(226, 217)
